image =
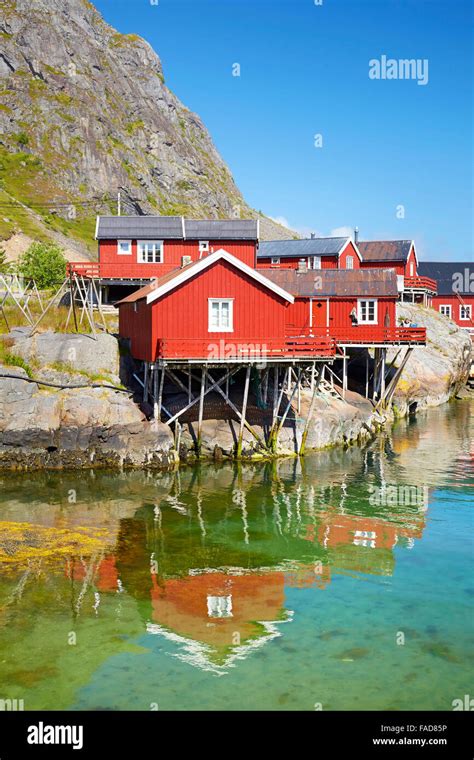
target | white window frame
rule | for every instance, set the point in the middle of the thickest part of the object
(220, 328)
(124, 253)
(360, 318)
(314, 262)
(204, 246)
(275, 261)
(412, 269)
(156, 244)
(449, 308)
(468, 308)
(349, 262)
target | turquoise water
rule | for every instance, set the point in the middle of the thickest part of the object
(344, 581)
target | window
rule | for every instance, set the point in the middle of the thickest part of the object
(124, 247)
(275, 262)
(221, 315)
(219, 606)
(367, 312)
(465, 312)
(204, 246)
(349, 262)
(412, 269)
(314, 262)
(445, 310)
(150, 251)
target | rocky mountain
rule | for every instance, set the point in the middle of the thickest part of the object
(85, 112)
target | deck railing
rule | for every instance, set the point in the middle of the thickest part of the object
(251, 350)
(111, 270)
(420, 283)
(368, 334)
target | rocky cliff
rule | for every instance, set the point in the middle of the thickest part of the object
(85, 111)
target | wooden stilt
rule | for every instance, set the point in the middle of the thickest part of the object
(244, 412)
(344, 374)
(146, 370)
(201, 411)
(156, 415)
(310, 415)
(160, 392)
(287, 409)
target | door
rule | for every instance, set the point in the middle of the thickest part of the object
(319, 311)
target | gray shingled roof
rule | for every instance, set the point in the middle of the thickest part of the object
(171, 227)
(336, 282)
(384, 250)
(451, 276)
(300, 248)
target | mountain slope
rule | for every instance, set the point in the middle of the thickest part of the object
(85, 112)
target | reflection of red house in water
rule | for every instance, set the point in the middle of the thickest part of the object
(105, 577)
(219, 610)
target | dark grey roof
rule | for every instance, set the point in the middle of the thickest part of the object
(384, 250)
(453, 276)
(300, 248)
(171, 227)
(336, 282)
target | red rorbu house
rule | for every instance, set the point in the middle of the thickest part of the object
(216, 309)
(132, 250)
(312, 253)
(401, 256)
(353, 307)
(455, 297)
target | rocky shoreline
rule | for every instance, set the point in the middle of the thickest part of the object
(97, 423)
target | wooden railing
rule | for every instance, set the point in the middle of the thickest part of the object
(228, 350)
(421, 283)
(364, 334)
(119, 270)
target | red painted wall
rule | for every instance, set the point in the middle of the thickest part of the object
(411, 260)
(455, 304)
(399, 266)
(258, 314)
(115, 265)
(339, 310)
(349, 251)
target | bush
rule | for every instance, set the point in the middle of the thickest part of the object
(4, 264)
(44, 263)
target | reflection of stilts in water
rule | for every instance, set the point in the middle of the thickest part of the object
(240, 500)
(199, 514)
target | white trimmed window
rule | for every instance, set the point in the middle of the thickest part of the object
(124, 247)
(221, 315)
(204, 246)
(367, 311)
(465, 312)
(275, 261)
(219, 606)
(446, 310)
(412, 269)
(150, 251)
(349, 262)
(314, 262)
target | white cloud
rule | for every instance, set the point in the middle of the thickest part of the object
(342, 232)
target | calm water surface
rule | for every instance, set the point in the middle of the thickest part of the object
(344, 581)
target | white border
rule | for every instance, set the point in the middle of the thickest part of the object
(207, 261)
(376, 312)
(153, 242)
(119, 252)
(231, 315)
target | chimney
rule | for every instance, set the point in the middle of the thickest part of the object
(356, 235)
(302, 266)
(313, 235)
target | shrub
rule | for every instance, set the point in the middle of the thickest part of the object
(44, 263)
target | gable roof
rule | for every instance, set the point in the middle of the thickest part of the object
(162, 285)
(385, 250)
(175, 227)
(451, 276)
(376, 283)
(331, 246)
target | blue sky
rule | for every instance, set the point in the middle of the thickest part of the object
(304, 71)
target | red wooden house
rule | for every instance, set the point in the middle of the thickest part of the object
(399, 255)
(134, 249)
(312, 253)
(455, 297)
(217, 308)
(353, 307)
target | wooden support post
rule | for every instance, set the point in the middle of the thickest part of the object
(201, 411)
(310, 415)
(160, 392)
(190, 382)
(313, 376)
(383, 353)
(155, 392)
(367, 375)
(265, 387)
(285, 413)
(244, 412)
(145, 381)
(344, 374)
(234, 409)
